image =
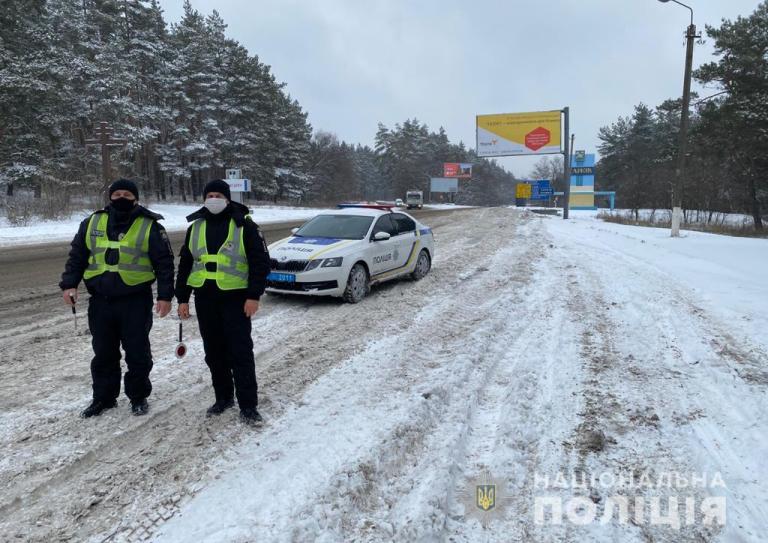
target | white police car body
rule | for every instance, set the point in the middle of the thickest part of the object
(343, 252)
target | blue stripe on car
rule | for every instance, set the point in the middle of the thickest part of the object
(314, 241)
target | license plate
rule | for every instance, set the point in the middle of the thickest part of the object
(281, 277)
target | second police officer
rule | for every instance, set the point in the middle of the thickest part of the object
(225, 262)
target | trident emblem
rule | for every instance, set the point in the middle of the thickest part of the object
(486, 497)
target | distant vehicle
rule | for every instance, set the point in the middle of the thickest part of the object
(414, 199)
(343, 252)
(399, 202)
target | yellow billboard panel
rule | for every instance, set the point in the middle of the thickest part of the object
(523, 190)
(506, 134)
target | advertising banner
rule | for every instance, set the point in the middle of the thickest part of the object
(508, 134)
(460, 170)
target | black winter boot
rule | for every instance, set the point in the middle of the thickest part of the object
(219, 407)
(139, 407)
(250, 416)
(96, 408)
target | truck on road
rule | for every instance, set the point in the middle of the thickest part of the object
(414, 199)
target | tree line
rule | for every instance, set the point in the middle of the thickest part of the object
(727, 160)
(190, 102)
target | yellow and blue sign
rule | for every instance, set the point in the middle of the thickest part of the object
(582, 181)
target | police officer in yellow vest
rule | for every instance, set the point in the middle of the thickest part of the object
(119, 252)
(225, 261)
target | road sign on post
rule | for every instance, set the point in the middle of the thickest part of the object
(541, 190)
(237, 185)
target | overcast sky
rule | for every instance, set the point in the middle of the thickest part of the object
(354, 63)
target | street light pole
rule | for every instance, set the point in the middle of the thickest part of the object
(677, 190)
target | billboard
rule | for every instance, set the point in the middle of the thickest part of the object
(443, 184)
(508, 134)
(460, 170)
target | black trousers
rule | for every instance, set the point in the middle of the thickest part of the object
(228, 345)
(125, 320)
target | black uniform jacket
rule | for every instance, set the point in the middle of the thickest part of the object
(109, 284)
(216, 232)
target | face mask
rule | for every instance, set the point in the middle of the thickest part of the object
(123, 204)
(215, 205)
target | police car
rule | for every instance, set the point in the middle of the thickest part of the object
(345, 251)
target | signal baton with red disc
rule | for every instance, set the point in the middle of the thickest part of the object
(181, 349)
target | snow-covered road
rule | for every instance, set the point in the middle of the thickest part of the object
(537, 349)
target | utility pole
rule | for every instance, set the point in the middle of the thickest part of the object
(566, 166)
(103, 137)
(570, 161)
(677, 189)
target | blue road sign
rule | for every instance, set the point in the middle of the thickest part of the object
(541, 190)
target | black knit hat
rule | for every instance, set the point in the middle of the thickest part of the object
(217, 185)
(124, 184)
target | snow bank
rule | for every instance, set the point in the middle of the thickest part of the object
(174, 219)
(726, 272)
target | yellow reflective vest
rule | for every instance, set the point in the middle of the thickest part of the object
(133, 264)
(231, 263)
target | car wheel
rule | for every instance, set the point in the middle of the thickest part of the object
(357, 284)
(423, 265)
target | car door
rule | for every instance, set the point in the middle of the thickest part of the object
(383, 253)
(406, 238)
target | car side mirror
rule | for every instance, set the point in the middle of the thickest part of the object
(294, 230)
(381, 236)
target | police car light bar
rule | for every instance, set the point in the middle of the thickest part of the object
(384, 207)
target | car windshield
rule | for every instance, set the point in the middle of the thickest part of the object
(336, 226)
